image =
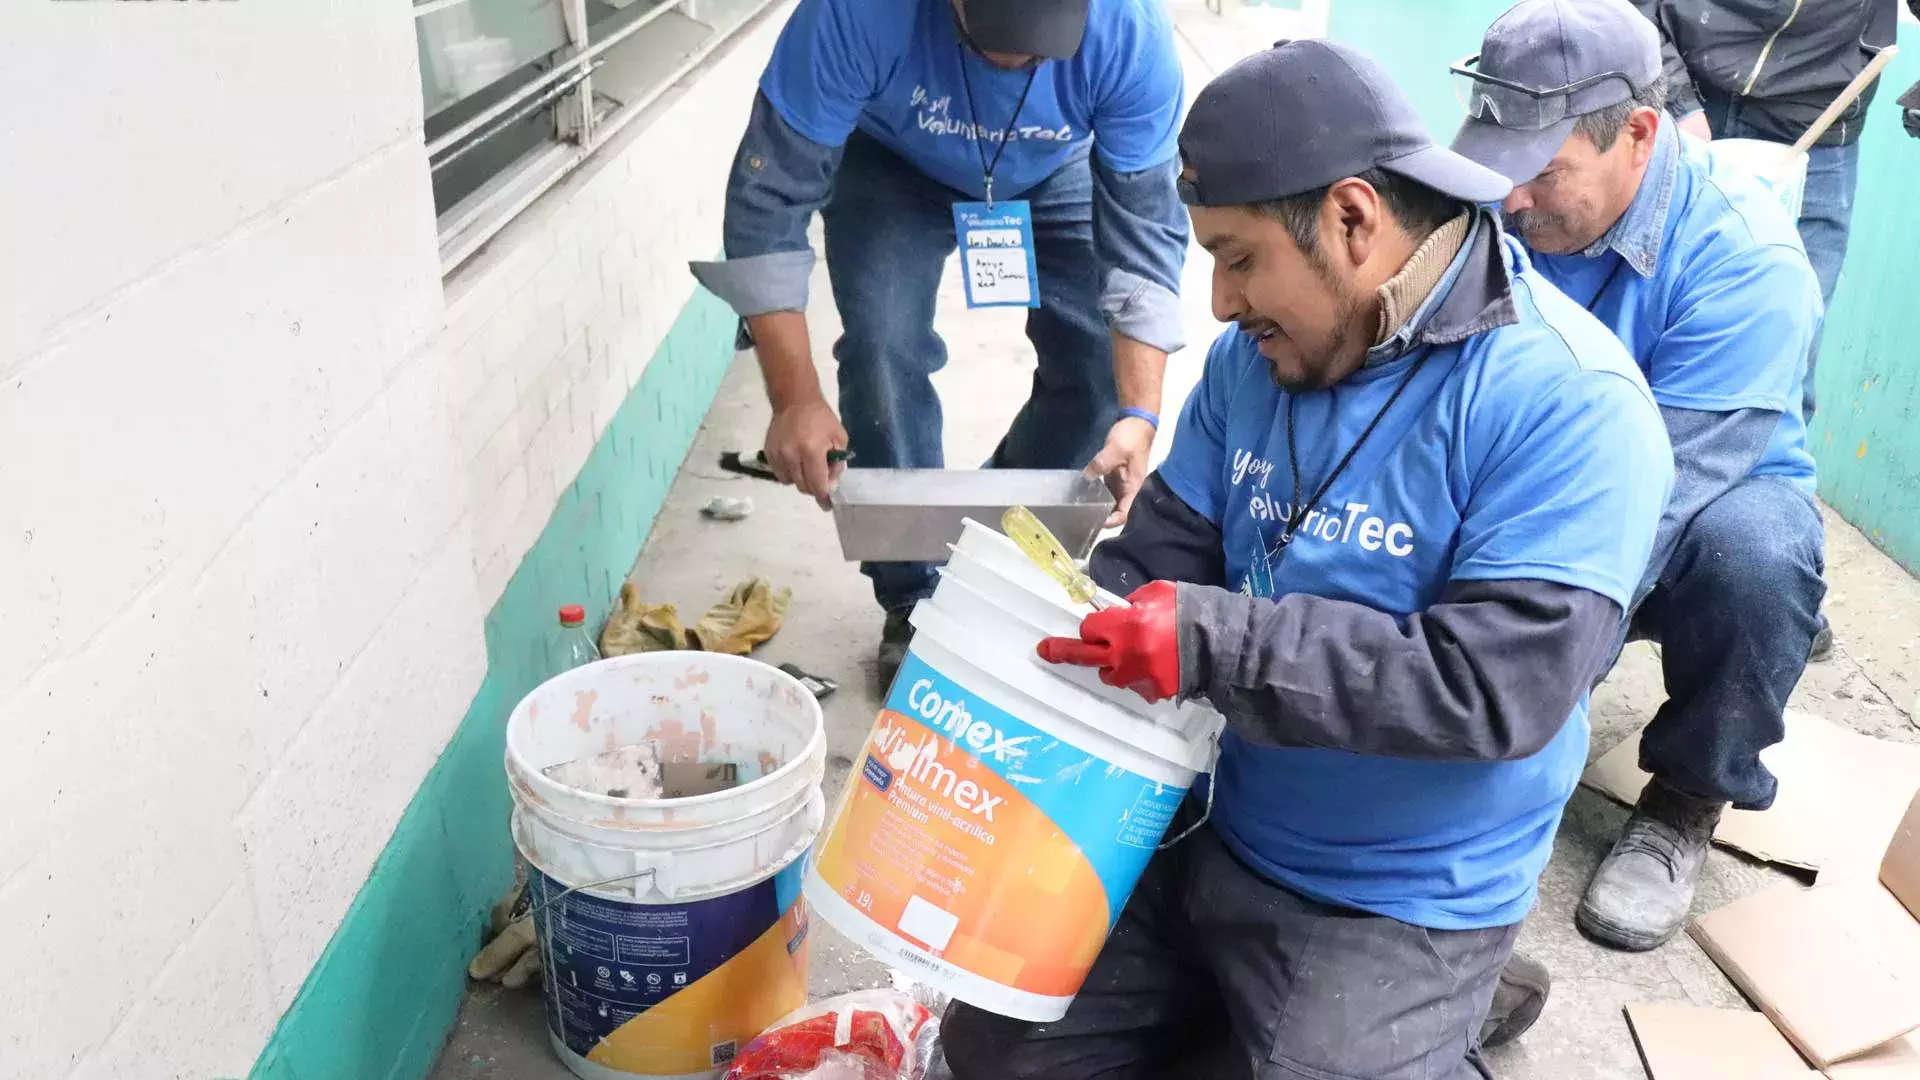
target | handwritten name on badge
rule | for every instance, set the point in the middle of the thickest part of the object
(996, 253)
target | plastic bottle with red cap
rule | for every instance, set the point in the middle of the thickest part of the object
(570, 646)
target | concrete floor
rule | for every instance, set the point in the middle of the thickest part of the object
(1871, 685)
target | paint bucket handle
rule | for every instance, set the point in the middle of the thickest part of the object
(1213, 763)
(544, 904)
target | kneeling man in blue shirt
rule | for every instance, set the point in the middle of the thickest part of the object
(1394, 543)
(1703, 277)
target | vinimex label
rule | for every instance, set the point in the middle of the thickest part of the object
(671, 989)
(991, 845)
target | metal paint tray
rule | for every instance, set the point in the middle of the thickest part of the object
(911, 515)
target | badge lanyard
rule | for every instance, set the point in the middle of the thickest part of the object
(996, 241)
(1606, 282)
(1297, 514)
(1006, 134)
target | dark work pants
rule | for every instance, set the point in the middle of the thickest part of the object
(889, 232)
(1734, 612)
(1214, 972)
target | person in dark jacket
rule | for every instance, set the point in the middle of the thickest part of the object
(1766, 69)
(1038, 132)
(1702, 275)
(1393, 543)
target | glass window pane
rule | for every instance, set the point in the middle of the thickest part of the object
(472, 55)
(471, 46)
(638, 66)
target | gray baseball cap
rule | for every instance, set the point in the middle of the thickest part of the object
(1303, 115)
(1542, 65)
(1049, 28)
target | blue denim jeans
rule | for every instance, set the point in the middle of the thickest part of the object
(889, 231)
(1734, 612)
(1826, 211)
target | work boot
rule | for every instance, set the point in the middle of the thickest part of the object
(1822, 642)
(1639, 897)
(1517, 1001)
(894, 637)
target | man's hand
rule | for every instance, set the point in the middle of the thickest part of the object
(1695, 124)
(797, 443)
(1136, 647)
(1122, 463)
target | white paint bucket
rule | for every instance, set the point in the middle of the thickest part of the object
(1778, 167)
(671, 931)
(1003, 808)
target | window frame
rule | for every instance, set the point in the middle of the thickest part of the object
(581, 129)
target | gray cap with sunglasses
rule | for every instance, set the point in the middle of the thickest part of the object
(1542, 65)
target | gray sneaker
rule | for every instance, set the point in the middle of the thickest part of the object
(1640, 896)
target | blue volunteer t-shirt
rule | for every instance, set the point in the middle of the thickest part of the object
(1530, 451)
(1732, 308)
(892, 68)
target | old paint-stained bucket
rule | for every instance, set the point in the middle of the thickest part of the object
(671, 931)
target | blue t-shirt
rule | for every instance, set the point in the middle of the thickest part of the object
(892, 69)
(1732, 308)
(1530, 451)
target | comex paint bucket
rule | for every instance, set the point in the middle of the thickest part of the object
(1002, 808)
(671, 930)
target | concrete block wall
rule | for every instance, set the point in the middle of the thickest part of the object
(263, 476)
(556, 322)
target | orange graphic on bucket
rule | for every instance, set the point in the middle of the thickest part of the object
(988, 844)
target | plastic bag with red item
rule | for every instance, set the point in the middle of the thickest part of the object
(865, 1035)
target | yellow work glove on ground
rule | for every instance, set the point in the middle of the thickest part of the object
(511, 957)
(636, 627)
(749, 615)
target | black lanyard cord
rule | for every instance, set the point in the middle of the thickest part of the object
(973, 114)
(1298, 515)
(1606, 282)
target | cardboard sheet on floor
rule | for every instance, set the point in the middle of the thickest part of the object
(1841, 794)
(1686, 1042)
(1835, 967)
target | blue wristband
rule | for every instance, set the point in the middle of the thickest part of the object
(1140, 414)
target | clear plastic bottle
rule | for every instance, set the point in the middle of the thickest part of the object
(570, 646)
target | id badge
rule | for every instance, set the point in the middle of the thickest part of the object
(996, 253)
(1259, 579)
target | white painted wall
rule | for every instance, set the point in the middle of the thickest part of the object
(556, 320)
(261, 476)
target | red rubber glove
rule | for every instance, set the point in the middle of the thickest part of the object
(1136, 648)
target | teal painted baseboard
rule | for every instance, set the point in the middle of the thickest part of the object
(379, 1003)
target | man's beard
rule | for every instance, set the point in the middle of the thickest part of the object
(1323, 366)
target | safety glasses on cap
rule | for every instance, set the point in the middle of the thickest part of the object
(1518, 107)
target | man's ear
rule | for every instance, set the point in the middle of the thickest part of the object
(1352, 217)
(1643, 124)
